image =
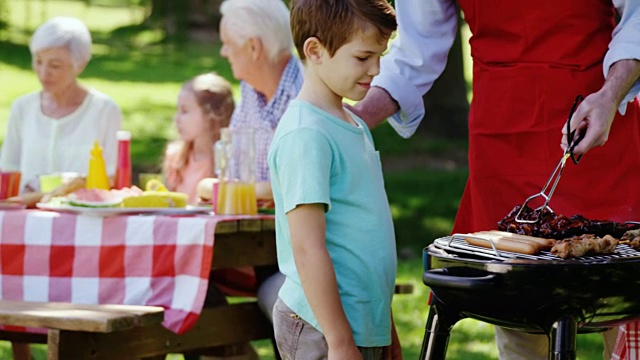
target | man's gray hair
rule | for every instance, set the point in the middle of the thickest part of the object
(265, 19)
(64, 31)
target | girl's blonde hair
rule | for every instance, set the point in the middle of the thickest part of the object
(214, 95)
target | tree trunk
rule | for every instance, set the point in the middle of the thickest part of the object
(186, 18)
(446, 104)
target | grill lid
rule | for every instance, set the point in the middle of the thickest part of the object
(455, 244)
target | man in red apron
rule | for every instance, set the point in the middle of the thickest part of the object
(530, 61)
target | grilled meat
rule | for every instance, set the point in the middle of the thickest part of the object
(581, 245)
(558, 226)
(631, 238)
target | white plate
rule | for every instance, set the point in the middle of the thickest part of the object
(122, 211)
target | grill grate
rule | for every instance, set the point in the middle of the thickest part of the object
(458, 245)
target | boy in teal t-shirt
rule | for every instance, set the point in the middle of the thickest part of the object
(335, 236)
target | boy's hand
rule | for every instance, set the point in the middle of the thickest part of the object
(393, 351)
(344, 353)
(307, 225)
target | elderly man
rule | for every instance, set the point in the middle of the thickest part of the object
(257, 42)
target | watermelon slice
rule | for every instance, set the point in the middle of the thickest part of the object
(96, 198)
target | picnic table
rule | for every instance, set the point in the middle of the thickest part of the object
(149, 260)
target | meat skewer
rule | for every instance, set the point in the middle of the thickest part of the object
(631, 238)
(581, 245)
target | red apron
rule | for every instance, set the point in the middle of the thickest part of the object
(531, 59)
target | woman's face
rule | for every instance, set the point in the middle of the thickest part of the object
(189, 118)
(55, 68)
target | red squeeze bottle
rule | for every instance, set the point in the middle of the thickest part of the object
(123, 167)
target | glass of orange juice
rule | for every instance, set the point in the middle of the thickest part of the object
(236, 198)
(236, 163)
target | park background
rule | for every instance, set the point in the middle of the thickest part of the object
(144, 49)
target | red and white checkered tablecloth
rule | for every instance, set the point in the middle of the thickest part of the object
(136, 260)
(628, 343)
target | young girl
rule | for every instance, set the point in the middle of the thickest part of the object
(205, 105)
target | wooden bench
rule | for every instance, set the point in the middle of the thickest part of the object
(67, 323)
(403, 288)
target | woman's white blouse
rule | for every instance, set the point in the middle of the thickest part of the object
(36, 144)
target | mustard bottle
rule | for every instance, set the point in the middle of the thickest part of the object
(97, 177)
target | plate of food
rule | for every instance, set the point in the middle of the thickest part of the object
(113, 211)
(129, 201)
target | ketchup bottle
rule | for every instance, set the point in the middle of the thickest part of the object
(123, 166)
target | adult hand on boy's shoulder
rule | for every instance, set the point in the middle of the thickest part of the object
(375, 107)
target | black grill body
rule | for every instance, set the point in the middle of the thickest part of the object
(544, 295)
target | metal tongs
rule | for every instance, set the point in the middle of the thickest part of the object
(572, 142)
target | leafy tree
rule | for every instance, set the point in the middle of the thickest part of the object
(180, 18)
(4, 15)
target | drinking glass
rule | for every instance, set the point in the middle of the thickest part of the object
(9, 184)
(235, 153)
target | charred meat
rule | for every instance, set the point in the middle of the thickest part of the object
(558, 226)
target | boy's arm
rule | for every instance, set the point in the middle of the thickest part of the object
(393, 351)
(308, 233)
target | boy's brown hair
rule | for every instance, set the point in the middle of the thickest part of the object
(335, 22)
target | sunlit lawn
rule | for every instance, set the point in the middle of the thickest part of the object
(144, 76)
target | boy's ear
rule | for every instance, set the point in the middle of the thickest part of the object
(313, 50)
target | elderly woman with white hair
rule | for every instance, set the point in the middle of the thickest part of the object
(53, 130)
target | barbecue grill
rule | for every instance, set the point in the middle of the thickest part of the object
(540, 294)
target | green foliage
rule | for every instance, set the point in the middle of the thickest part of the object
(4, 15)
(390, 143)
(424, 204)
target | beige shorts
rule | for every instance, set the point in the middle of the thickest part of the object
(297, 339)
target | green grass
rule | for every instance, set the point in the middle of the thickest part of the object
(143, 73)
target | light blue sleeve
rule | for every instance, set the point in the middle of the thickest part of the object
(426, 31)
(625, 43)
(303, 161)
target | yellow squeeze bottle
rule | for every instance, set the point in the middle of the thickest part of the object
(97, 177)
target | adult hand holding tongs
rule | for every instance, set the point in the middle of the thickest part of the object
(573, 138)
(594, 117)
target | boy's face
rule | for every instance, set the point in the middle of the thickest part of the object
(350, 71)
